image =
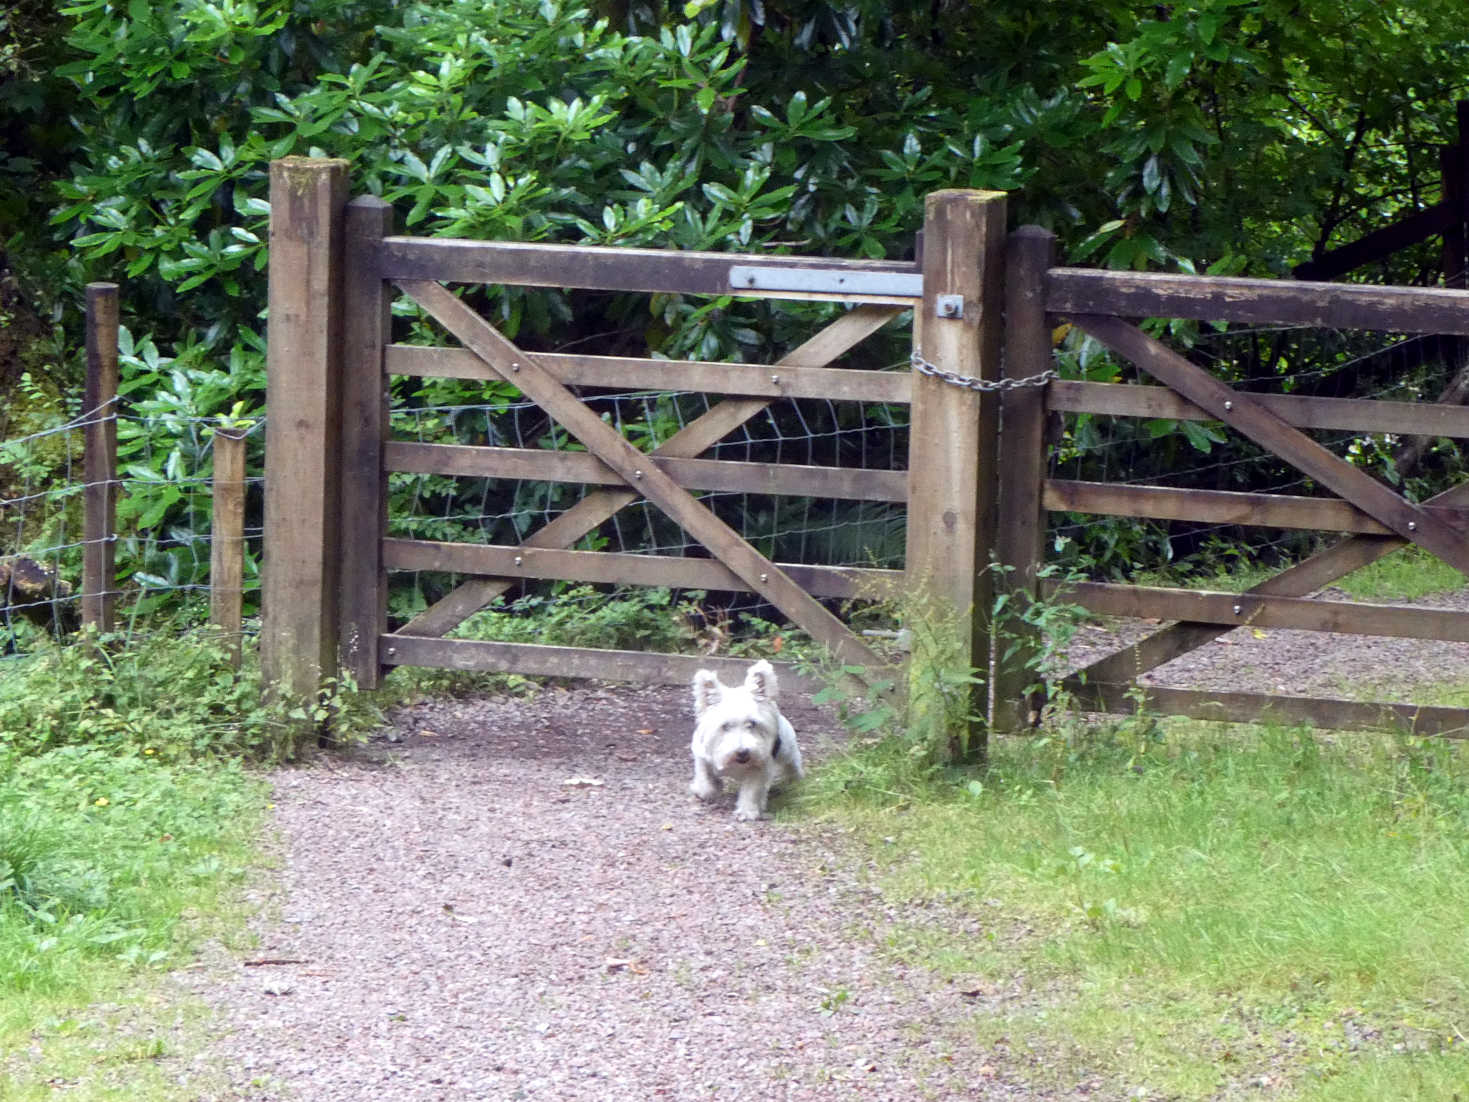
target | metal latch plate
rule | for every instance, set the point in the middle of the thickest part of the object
(831, 281)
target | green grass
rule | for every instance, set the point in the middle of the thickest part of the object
(128, 819)
(1404, 575)
(113, 865)
(1195, 907)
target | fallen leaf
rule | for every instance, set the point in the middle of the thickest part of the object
(583, 782)
(618, 964)
(426, 733)
(647, 730)
(1259, 634)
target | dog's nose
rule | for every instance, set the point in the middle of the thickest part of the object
(742, 756)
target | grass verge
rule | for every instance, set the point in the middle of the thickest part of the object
(113, 866)
(128, 817)
(1195, 911)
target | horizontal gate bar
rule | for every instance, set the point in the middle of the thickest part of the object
(1349, 414)
(755, 380)
(536, 660)
(620, 568)
(1273, 301)
(1322, 514)
(614, 269)
(722, 475)
(1234, 707)
(1244, 609)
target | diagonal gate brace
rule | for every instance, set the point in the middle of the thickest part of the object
(636, 469)
(1250, 418)
(693, 439)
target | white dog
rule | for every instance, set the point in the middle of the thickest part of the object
(739, 733)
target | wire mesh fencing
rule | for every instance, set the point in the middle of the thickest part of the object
(162, 535)
(786, 528)
(1301, 361)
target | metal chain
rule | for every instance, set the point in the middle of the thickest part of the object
(923, 367)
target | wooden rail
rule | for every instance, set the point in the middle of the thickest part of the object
(616, 268)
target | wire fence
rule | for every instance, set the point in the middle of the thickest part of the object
(162, 538)
(1199, 455)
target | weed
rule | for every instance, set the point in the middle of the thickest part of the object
(170, 695)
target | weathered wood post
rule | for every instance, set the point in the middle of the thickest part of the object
(951, 466)
(1020, 541)
(367, 310)
(299, 569)
(227, 539)
(99, 501)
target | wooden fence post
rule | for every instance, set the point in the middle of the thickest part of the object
(368, 318)
(227, 540)
(1020, 541)
(99, 502)
(298, 647)
(951, 467)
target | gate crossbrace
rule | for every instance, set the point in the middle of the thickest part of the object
(1250, 418)
(636, 469)
(1300, 580)
(1303, 578)
(690, 441)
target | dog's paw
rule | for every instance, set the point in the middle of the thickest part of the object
(747, 814)
(705, 790)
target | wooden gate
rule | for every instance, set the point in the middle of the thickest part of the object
(328, 455)
(1377, 518)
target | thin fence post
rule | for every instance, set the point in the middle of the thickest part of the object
(951, 467)
(99, 500)
(1454, 167)
(368, 317)
(298, 647)
(227, 540)
(1020, 540)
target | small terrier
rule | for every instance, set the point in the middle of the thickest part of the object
(739, 733)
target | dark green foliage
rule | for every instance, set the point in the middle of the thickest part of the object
(1230, 135)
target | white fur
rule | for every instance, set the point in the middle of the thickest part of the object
(739, 733)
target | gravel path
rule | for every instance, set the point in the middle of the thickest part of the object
(517, 899)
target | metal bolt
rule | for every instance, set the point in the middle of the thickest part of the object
(1412, 526)
(775, 379)
(1238, 609)
(637, 474)
(392, 651)
(514, 367)
(1228, 406)
(518, 560)
(750, 280)
(950, 309)
(765, 577)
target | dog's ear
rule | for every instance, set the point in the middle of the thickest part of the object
(708, 691)
(761, 683)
